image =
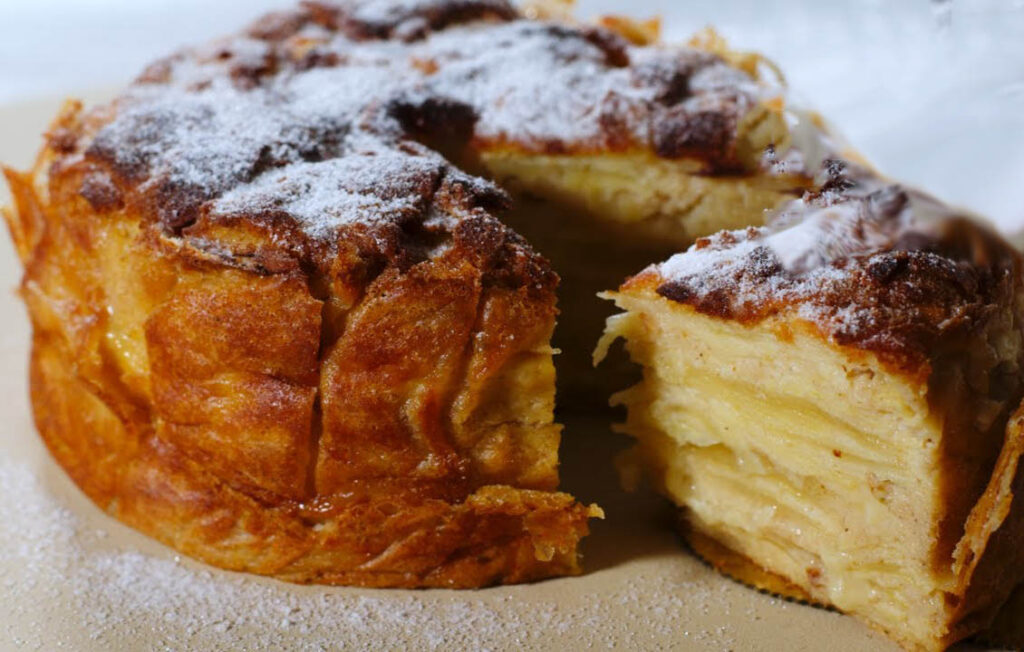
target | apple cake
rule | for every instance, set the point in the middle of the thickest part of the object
(281, 321)
(832, 401)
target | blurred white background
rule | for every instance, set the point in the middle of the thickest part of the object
(932, 91)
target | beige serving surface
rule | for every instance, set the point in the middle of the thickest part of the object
(72, 578)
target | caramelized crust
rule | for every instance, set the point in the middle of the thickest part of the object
(373, 412)
(277, 328)
(873, 265)
(305, 93)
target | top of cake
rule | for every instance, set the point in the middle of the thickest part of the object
(872, 264)
(321, 121)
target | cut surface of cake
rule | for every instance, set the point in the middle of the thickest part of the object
(830, 401)
(692, 140)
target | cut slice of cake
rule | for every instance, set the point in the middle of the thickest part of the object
(828, 399)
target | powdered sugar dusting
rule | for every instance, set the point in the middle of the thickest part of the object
(806, 244)
(535, 84)
(343, 190)
(201, 143)
(240, 119)
(871, 264)
(509, 73)
(55, 565)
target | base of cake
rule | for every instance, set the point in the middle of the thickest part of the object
(1005, 632)
(739, 567)
(496, 534)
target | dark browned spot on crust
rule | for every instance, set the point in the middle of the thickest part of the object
(247, 75)
(873, 275)
(158, 72)
(614, 47)
(101, 192)
(62, 140)
(364, 21)
(682, 132)
(278, 25)
(442, 122)
(884, 268)
(670, 78)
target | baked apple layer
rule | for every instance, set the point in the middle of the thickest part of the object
(831, 397)
(821, 468)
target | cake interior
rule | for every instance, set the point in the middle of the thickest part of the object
(600, 219)
(819, 463)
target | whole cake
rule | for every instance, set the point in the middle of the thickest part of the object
(278, 326)
(832, 400)
(286, 321)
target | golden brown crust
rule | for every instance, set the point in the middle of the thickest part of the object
(301, 92)
(373, 409)
(988, 560)
(874, 266)
(290, 317)
(243, 430)
(386, 539)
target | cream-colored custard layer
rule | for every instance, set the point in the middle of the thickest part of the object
(671, 201)
(818, 466)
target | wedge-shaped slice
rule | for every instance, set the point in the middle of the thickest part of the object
(829, 398)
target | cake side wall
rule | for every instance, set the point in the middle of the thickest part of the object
(181, 393)
(977, 384)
